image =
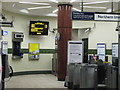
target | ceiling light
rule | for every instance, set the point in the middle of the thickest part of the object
(96, 2)
(76, 9)
(34, 3)
(24, 11)
(13, 5)
(52, 14)
(54, 1)
(93, 7)
(39, 7)
(109, 10)
(56, 10)
(72, 1)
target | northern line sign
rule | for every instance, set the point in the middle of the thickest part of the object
(95, 16)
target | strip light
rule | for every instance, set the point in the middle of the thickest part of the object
(24, 11)
(39, 7)
(96, 2)
(93, 7)
(72, 1)
(76, 9)
(109, 10)
(34, 3)
(56, 10)
(54, 1)
(52, 14)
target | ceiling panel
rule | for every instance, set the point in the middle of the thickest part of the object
(25, 0)
(57, 0)
(16, 7)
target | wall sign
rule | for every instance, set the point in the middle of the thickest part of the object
(107, 17)
(82, 15)
(101, 47)
(97, 16)
(75, 52)
(115, 50)
(34, 51)
(5, 33)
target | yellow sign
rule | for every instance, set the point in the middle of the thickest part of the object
(34, 48)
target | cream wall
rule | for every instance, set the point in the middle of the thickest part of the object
(21, 24)
(43, 64)
(101, 32)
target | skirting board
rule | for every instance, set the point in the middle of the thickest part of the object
(31, 72)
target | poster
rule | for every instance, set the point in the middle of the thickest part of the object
(115, 50)
(75, 52)
(34, 50)
(101, 50)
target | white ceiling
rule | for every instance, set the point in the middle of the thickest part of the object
(15, 6)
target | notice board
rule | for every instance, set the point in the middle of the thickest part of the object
(34, 50)
(115, 50)
(75, 52)
(101, 47)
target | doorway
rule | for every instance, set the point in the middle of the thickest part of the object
(85, 50)
(80, 34)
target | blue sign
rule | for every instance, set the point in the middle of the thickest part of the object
(101, 47)
(5, 33)
(82, 15)
(96, 16)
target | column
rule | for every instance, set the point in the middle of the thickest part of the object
(64, 28)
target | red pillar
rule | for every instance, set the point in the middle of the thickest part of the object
(64, 28)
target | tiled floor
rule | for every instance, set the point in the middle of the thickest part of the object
(35, 81)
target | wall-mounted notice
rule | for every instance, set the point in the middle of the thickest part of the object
(34, 51)
(115, 50)
(75, 52)
(5, 33)
(107, 17)
(101, 47)
(96, 16)
(82, 15)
